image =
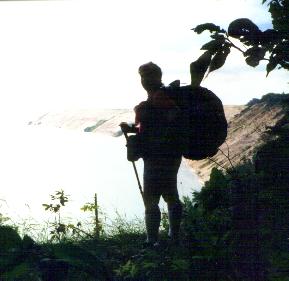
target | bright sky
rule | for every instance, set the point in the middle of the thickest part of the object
(57, 55)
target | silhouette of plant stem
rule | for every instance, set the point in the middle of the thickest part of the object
(218, 164)
(227, 155)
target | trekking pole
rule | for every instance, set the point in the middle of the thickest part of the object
(135, 171)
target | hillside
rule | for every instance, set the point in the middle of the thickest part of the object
(88, 120)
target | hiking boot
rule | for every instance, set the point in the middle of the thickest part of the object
(150, 245)
(175, 244)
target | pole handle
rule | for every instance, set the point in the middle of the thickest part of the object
(135, 170)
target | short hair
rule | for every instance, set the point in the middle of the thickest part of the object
(150, 68)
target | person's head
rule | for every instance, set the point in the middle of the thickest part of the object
(151, 76)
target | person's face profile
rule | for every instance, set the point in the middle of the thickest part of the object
(150, 81)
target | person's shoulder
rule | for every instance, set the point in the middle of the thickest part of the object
(162, 100)
(142, 105)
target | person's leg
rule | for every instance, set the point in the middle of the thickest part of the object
(151, 201)
(175, 217)
(171, 197)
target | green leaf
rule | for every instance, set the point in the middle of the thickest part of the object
(254, 55)
(219, 59)
(269, 38)
(88, 207)
(214, 45)
(47, 206)
(63, 200)
(199, 67)
(207, 26)
(279, 12)
(243, 28)
(218, 36)
(252, 61)
(255, 51)
(270, 66)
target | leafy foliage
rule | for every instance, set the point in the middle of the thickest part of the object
(59, 196)
(208, 26)
(199, 68)
(271, 45)
(17, 256)
(219, 58)
(60, 230)
(272, 99)
(216, 53)
(95, 210)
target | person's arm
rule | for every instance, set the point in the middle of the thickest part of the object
(140, 113)
(128, 128)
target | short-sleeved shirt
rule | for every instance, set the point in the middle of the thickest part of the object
(157, 119)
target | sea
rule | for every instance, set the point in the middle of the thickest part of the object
(37, 161)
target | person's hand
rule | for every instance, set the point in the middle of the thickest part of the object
(125, 127)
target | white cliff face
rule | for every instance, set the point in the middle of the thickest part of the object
(103, 121)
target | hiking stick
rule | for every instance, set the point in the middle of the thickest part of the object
(135, 170)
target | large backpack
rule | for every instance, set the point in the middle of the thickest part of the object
(202, 120)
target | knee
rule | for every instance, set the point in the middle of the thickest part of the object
(151, 202)
(172, 199)
(151, 208)
(175, 207)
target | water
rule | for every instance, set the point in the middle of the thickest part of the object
(37, 161)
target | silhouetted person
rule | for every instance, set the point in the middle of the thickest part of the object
(156, 122)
